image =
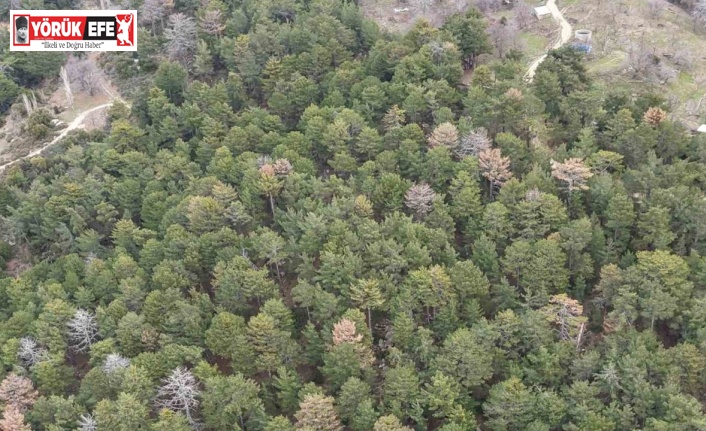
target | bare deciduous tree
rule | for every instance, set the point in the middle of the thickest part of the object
(13, 420)
(655, 8)
(573, 172)
(445, 134)
(524, 15)
(84, 72)
(495, 168)
(419, 198)
(83, 330)
(473, 142)
(699, 14)
(181, 35)
(17, 391)
(29, 352)
(488, 5)
(641, 60)
(115, 362)
(503, 36)
(151, 12)
(87, 423)
(179, 393)
(683, 57)
(424, 5)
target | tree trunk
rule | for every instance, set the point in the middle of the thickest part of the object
(272, 206)
(279, 276)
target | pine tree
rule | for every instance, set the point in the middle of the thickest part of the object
(394, 118)
(269, 184)
(363, 206)
(353, 392)
(466, 204)
(389, 423)
(273, 346)
(620, 217)
(288, 383)
(367, 294)
(654, 228)
(203, 62)
(464, 358)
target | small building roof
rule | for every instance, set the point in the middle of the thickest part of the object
(542, 11)
(702, 128)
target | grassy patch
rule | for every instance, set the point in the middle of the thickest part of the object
(684, 86)
(607, 63)
(535, 45)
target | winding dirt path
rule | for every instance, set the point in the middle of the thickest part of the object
(566, 31)
(77, 123)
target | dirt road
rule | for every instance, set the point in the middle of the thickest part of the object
(75, 124)
(566, 31)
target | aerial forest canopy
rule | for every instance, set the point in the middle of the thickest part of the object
(304, 222)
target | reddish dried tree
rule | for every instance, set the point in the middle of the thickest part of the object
(345, 332)
(316, 412)
(573, 172)
(654, 116)
(495, 168)
(13, 420)
(445, 135)
(419, 198)
(17, 391)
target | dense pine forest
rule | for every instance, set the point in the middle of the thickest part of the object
(301, 221)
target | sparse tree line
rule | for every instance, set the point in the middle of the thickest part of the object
(306, 223)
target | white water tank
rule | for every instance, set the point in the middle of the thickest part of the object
(583, 35)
